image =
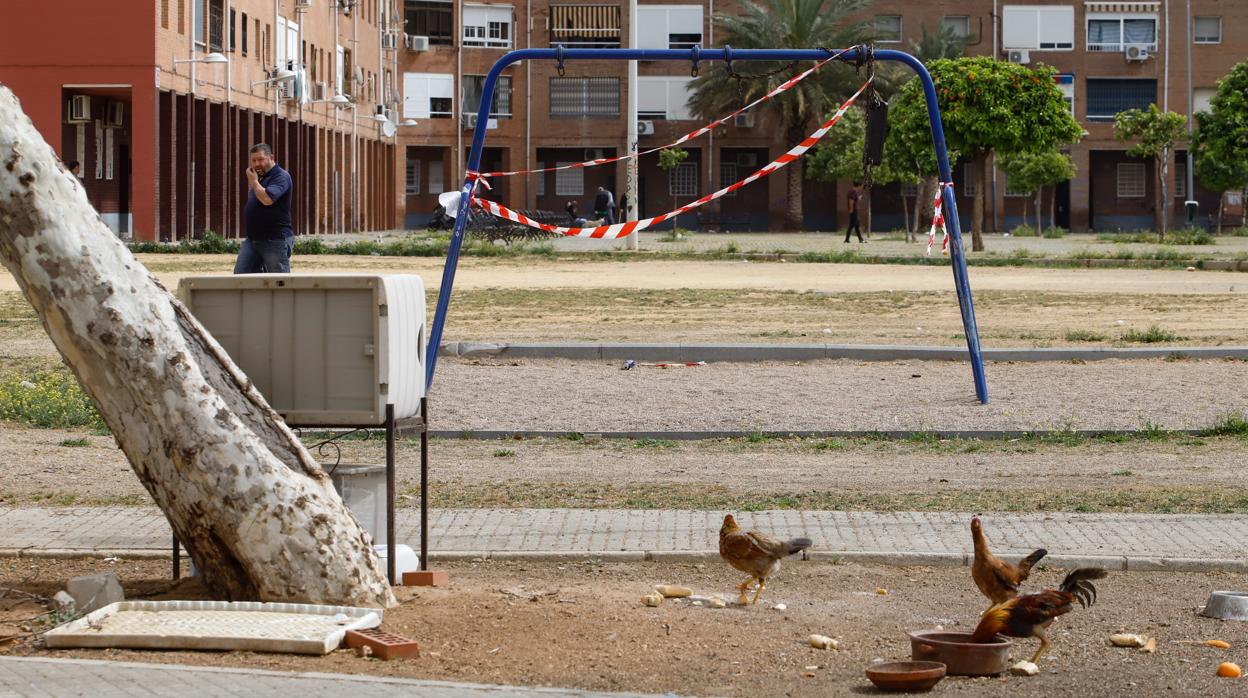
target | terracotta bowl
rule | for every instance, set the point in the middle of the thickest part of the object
(906, 676)
(960, 656)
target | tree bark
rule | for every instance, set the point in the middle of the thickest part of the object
(977, 210)
(905, 215)
(259, 517)
(1039, 212)
(793, 220)
(1163, 207)
(1221, 208)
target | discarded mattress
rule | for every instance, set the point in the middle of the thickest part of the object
(215, 625)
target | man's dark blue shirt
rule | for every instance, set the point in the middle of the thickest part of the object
(271, 222)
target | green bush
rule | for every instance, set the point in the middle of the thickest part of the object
(1084, 336)
(1189, 236)
(47, 399)
(1055, 233)
(1023, 231)
(1153, 335)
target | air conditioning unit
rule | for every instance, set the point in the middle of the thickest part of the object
(390, 41)
(79, 109)
(1019, 55)
(594, 154)
(318, 91)
(416, 43)
(469, 123)
(115, 114)
(745, 120)
(1137, 52)
(288, 89)
(645, 128)
(747, 159)
(303, 5)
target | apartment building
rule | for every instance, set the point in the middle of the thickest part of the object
(1110, 56)
(159, 100)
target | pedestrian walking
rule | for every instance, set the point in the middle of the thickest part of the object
(270, 231)
(854, 196)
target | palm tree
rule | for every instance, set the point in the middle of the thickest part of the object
(796, 24)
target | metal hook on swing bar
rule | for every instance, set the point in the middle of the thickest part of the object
(559, 55)
(728, 59)
(697, 55)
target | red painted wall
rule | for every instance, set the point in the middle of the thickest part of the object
(46, 45)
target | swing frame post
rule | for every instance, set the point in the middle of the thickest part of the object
(858, 56)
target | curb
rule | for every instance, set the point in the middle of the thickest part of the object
(812, 352)
(972, 434)
(1113, 563)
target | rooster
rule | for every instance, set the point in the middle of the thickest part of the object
(756, 554)
(996, 578)
(1029, 615)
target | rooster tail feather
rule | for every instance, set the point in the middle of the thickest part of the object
(1026, 563)
(1078, 583)
(797, 545)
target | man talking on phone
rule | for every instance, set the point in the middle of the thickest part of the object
(270, 233)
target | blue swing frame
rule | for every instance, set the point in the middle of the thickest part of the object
(858, 56)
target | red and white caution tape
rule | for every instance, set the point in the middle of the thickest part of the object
(938, 220)
(687, 137)
(620, 230)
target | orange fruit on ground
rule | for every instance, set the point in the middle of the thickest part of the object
(1229, 670)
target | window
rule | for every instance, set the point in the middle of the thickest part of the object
(500, 107)
(413, 177)
(164, 18)
(487, 25)
(970, 182)
(1130, 180)
(428, 95)
(348, 74)
(1111, 33)
(663, 97)
(728, 175)
(287, 44)
(1180, 179)
(233, 22)
(960, 25)
(1108, 96)
(197, 21)
(570, 182)
(256, 38)
(669, 26)
(1207, 30)
(432, 18)
(585, 26)
(1038, 27)
(435, 185)
(683, 180)
(541, 180)
(244, 30)
(888, 28)
(1202, 98)
(1066, 83)
(584, 98)
(216, 22)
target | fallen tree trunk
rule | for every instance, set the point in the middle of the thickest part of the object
(255, 511)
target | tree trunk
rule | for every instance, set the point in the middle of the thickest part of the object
(977, 210)
(1221, 208)
(793, 220)
(1164, 205)
(905, 214)
(259, 517)
(1039, 213)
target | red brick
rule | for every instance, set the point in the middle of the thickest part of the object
(427, 578)
(384, 645)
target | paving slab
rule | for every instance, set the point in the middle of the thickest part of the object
(28, 676)
(1177, 542)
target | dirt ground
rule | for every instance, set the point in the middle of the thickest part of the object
(581, 625)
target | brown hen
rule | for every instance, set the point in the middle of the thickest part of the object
(756, 554)
(996, 578)
(1029, 615)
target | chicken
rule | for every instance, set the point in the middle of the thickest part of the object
(756, 554)
(1029, 615)
(996, 578)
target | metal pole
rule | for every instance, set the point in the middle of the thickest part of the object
(630, 167)
(858, 56)
(177, 558)
(390, 546)
(1189, 202)
(424, 483)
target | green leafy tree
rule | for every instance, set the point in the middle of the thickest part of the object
(986, 106)
(1220, 143)
(838, 157)
(669, 160)
(1154, 132)
(1033, 172)
(794, 114)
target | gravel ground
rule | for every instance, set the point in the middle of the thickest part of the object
(834, 395)
(581, 625)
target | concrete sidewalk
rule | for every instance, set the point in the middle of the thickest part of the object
(1190, 542)
(28, 676)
